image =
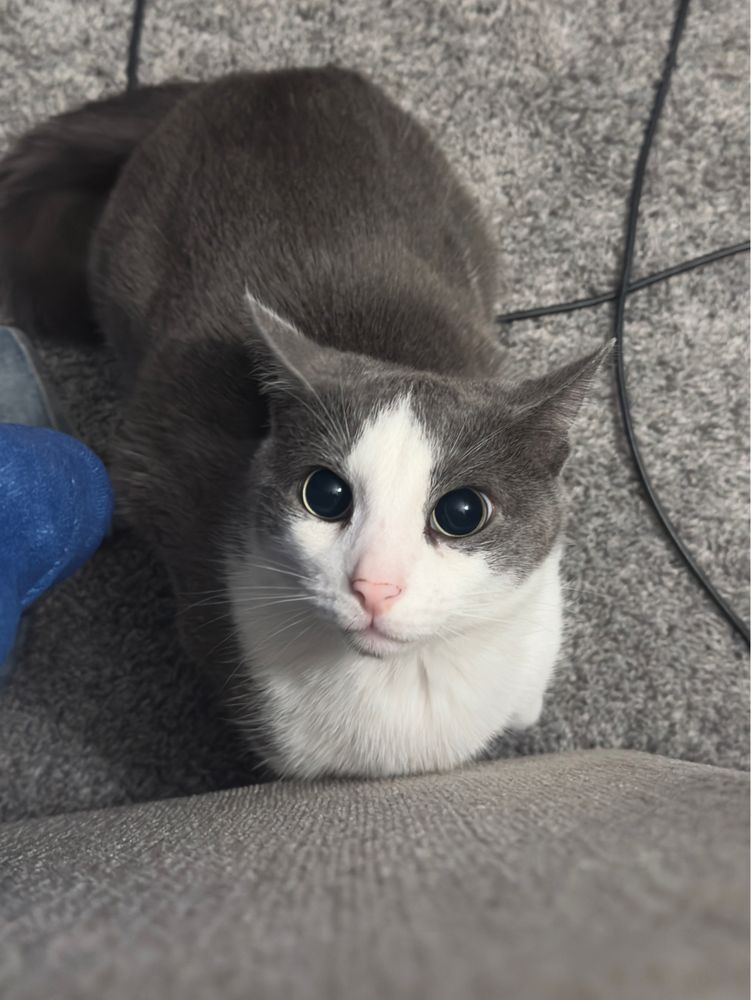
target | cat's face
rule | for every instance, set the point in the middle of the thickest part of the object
(390, 513)
(401, 507)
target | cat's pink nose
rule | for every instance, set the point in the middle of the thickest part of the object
(376, 598)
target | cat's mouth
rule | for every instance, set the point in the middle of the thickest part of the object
(373, 642)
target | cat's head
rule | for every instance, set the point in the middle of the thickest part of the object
(389, 510)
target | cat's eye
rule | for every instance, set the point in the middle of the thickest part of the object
(461, 512)
(326, 495)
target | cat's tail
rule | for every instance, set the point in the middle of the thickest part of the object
(54, 184)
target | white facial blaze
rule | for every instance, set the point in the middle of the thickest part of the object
(389, 469)
(475, 650)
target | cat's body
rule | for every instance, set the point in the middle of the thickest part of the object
(311, 189)
(296, 284)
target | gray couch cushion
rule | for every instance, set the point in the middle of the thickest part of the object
(585, 875)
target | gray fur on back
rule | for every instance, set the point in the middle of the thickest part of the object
(316, 192)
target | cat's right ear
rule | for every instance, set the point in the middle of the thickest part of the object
(547, 407)
(285, 357)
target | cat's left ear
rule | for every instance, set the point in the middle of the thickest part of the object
(283, 353)
(548, 406)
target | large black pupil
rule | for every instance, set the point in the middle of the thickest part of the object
(327, 495)
(460, 512)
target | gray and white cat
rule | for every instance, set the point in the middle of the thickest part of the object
(360, 518)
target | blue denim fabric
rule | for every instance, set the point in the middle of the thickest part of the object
(23, 400)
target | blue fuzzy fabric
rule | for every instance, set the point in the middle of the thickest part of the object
(55, 508)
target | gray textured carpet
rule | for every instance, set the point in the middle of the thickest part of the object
(542, 106)
(526, 878)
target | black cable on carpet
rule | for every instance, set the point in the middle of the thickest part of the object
(134, 46)
(620, 309)
(650, 279)
(625, 288)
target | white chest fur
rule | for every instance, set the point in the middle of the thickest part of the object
(331, 710)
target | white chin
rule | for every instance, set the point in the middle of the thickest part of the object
(374, 643)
